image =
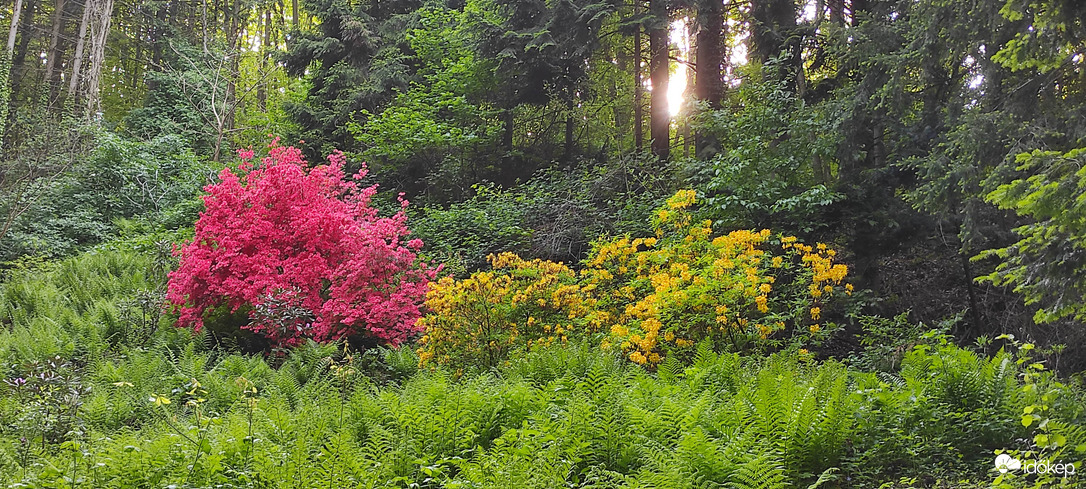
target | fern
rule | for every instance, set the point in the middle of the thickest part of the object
(760, 472)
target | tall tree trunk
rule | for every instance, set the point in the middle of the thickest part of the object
(639, 86)
(708, 81)
(103, 12)
(619, 111)
(158, 30)
(53, 55)
(77, 58)
(16, 13)
(233, 32)
(507, 130)
(774, 33)
(837, 11)
(5, 77)
(709, 60)
(567, 152)
(974, 302)
(659, 118)
(27, 27)
(294, 14)
(265, 51)
(203, 24)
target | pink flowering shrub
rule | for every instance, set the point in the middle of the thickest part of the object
(303, 252)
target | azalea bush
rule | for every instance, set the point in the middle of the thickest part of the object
(517, 305)
(303, 253)
(664, 294)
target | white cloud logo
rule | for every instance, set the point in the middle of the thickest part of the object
(1006, 463)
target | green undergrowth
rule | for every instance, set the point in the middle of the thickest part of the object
(99, 394)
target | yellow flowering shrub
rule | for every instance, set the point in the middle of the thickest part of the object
(518, 304)
(662, 295)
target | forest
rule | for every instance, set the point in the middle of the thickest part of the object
(543, 243)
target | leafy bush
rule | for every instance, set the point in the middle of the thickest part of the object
(775, 161)
(567, 209)
(886, 341)
(554, 215)
(1054, 413)
(155, 181)
(664, 294)
(518, 305)
(303, 253)
(464, 234)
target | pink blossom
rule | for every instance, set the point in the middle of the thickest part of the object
(282, 228)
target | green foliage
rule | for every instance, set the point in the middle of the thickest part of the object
(774, 167)
(1047, 407)
(264, 90)
(565, 415)
(465, 233)
(1057, 34)
(431, 134)
(556, 416)
(886, 341)
(356, 59)
(553, 215)
(567, 209)
(945, 411)
(81, 306)
(1046, 264)
(155, 182)
(169, 109)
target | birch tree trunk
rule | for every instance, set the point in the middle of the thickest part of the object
(5, 71)
(77, 58)
(26, 26)
(16, 12)
(99, 27)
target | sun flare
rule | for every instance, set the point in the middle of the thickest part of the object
(676, 88)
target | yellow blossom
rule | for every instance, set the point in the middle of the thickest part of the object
(761, 302)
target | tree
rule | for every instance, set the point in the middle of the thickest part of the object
(53, 54)
(773, 34)
(29, 169)
(355, 61)
(99, 32)
(1047, 265)
(709, 84)
(708, 81)
(542, 51)
(659, 117)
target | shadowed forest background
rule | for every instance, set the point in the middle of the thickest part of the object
(933, 148)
